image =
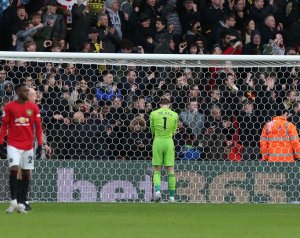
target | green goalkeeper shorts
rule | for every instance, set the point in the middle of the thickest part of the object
(163, 152)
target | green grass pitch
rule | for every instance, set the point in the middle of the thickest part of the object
(141, 220)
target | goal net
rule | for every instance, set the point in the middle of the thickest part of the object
(95, 110)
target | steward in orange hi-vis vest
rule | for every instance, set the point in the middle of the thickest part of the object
(279, 140)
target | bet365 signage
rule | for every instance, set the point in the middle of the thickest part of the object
(192, 186)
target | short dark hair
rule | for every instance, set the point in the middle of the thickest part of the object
(193, 100)
(20, 85)
(126, 44)
(28, 43)
(164, 102)
(35, 15)
(229, 16)
(162, 20)
(223, 35)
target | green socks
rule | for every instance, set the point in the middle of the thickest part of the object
(156, 181)
(172, 184)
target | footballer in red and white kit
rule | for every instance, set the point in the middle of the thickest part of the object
(21, 119)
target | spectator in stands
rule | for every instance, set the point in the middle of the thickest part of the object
(166, 46)
(195, 34)
(82, 91)
(241, 14)
(42, 34)
(249, 128)
(180, 92)
(192, 118)
(142, 34)
(108, 35)
(126, 46)
(130, 86)
(107, 89)
(52, 89)
(69, 77)
(139, 107)
(212, 15)
(81, 21)
(94, 44)
(258, 11)
(138, 140)
(13, 18)
(213, 142)
(171, 15)
(292, 31)
(30, 46)
(194, 91)
(230, 95)
(254, 47)
(2, 80)
(116, 18)
(228, 26)
(268, 30)
(213, 99)
(55, 46)
(149, 8)
(276, 45)
(55, 20)
(233, 150)
(247, 31)
(189, 14)
(291, 98)
(9, 93)
(227, 46)
(117, 111)
(26, 34)
(29, 81)
(161, 31)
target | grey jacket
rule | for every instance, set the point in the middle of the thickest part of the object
(195, 121)
(23, 36)
(170, 13)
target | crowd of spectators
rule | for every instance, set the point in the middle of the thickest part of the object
(154, 26)
(94, 111)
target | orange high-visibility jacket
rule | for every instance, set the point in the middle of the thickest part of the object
(279, 141)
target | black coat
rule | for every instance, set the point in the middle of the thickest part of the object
(140, 38)
(252, 49)
(80, 25)
(258, 15)
(267, 34)
(188, 19)
(249, 129)
(59, 29)
(138, 145)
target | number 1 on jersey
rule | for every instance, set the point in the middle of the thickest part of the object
(165, 123)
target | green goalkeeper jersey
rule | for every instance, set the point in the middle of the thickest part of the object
(163, 123)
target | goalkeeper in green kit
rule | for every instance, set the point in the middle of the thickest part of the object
(163, 125)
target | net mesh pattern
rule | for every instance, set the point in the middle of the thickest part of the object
(96, 121)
